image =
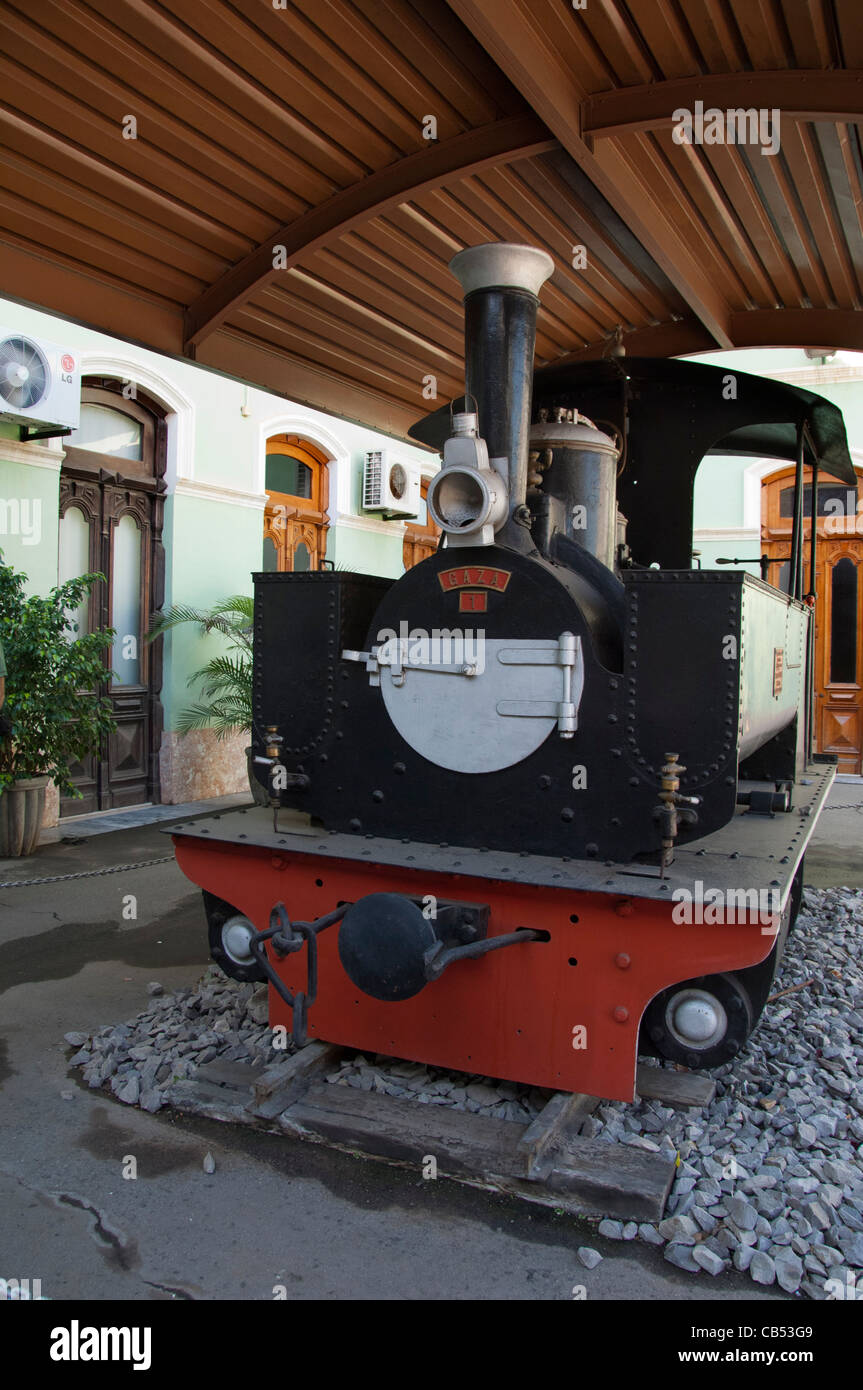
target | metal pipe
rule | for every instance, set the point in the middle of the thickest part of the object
(795, 576)
(809, 734)
(813, 524)
(501, 283)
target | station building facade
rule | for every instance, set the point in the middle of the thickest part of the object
(178, 485)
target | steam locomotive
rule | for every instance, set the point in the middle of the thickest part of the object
(542, 803)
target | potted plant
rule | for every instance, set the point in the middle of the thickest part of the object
(55, 715)
(224, 701)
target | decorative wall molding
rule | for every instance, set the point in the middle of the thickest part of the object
(372, 525)
(34, 454)
(727, 533)
(816, 376)
(215, 492)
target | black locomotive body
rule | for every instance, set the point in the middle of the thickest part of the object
(555, 699)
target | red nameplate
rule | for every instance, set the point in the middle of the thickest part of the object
(474, 577)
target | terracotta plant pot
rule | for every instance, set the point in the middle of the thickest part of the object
(21, 808)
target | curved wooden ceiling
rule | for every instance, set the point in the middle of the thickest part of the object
(293, 130)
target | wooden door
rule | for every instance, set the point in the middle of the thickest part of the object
(838, 668)
(110, 521)
(421, 535)
(295, 518)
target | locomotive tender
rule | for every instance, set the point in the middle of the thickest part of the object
(542, 803)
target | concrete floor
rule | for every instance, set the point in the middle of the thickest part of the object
(835, 856)
(275, 1211)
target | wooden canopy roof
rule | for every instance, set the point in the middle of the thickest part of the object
(280, 214)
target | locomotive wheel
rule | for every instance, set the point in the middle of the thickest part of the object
(229, 933)
(705, 1022)
(702, 1022)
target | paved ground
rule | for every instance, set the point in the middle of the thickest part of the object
(275, 1211)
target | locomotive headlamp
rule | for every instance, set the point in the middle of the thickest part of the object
(468, 498)
(470, 504)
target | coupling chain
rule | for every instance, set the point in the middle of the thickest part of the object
(87, 873)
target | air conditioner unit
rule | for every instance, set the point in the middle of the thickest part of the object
(391, 486)
(40, 382)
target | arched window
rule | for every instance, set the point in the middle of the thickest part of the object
(104, 430)
(295, 519)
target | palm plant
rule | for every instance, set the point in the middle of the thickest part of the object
(224, 701)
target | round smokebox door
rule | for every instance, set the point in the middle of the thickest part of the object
(502, 701)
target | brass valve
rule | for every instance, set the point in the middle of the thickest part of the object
(667, 812)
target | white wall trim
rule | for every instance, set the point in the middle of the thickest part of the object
(180, 420)
(753, 475)
(32, 453)
(728, 533)
(372, 525)
(214, 492)
(816, 375)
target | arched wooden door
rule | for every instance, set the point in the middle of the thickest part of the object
(111, 503)
(421, 535)
(838, 674)
(295, 519)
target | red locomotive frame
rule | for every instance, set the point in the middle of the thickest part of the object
(510, 1014)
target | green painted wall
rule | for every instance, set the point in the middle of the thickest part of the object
(349, 549)
(211, 551)
(28, 521)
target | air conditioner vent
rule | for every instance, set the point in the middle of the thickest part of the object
(391, 486)
(40, 382)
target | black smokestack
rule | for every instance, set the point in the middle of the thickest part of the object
(501, 282)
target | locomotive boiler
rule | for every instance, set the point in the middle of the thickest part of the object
(540, 804)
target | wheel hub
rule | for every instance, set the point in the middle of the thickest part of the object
(696, 1018)
(236, 935)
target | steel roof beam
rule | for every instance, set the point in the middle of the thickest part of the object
(516, 137)
(515, 40)
(798, 94)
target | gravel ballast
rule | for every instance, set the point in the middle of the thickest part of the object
(770, 1175)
